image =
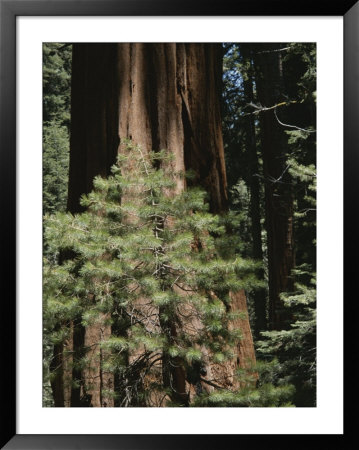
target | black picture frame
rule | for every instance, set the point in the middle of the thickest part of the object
(9, 10)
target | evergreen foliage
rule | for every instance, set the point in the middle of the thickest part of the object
(137, 240)
(56, 83)
(55, 167)
(293, 352)
(56, 121)
(266, 395)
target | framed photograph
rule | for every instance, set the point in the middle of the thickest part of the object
(134, 321)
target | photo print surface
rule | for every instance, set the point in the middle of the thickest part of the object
(179, 217)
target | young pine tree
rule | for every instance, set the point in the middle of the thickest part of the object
(154, 266)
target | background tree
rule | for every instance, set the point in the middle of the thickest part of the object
(278, 185)
(289, 126)
(295, 347)
(243, 150)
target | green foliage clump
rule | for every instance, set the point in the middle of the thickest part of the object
(56, 122)
(55, 167)
(146, 261)
(57, 60)
(293, 352)
(266, 395)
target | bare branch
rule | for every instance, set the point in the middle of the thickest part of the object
(284, 49)
(291, 126)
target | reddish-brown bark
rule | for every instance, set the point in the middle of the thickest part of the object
(161, 96)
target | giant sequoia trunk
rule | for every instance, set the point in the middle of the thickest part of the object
(278, 187)
(161, 96)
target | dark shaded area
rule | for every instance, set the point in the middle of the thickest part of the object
(94, 117)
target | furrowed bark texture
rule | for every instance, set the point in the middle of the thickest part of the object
(278, 188)
(161, 96)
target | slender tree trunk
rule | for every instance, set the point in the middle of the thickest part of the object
(259, 296)
(278, 187)
(161, 96)
(57, 380)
